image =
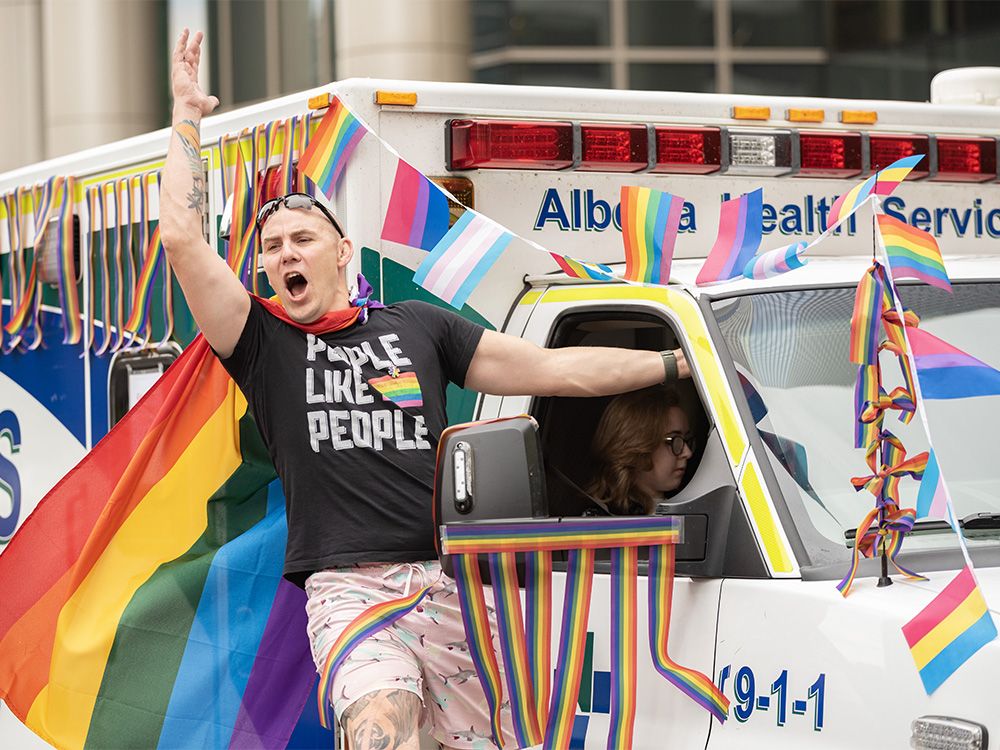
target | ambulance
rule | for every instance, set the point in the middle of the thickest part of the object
(768, 508)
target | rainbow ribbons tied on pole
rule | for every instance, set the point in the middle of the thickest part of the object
(524, 645)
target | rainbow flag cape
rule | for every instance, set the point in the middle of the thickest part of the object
(145, 604)
(461, 259)
(650, 220)
(580, 269)
(418, 210)
(949, 630)
(331, 146)
(740, 228)
(945, 371)
(882, 183)
(913, 253)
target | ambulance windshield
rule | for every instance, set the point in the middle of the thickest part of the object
(791, 352)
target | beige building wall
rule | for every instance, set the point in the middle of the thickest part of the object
(22, 137)
(415, 39)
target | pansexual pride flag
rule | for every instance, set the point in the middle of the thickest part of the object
(418, 210)
(949, 630)
(402, 389)
(331, 146)
(650, 220)
(947, 372)
(913, 253)
(740, 228)
(461, 259)
(580, 269)
(882, 183)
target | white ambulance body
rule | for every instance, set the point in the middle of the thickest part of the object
(756, 606)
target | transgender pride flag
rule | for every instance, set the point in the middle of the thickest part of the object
(947, 372)
(740, 227)
(418, 210)
(461, 259)
(932, 500)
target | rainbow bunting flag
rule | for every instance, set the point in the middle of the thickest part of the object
(579, 269)
(933, 499)
(460, 260)
(650, 220)
(402, 389)
(418, 210)
(882, 183)
(913, 253)
(331, 146)
(949, 630)
(740, 229)
(946, 372)
(160, 617)
(776, 262)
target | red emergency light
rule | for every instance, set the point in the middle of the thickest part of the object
(272, 182)
(885, 149)
(825, 154)
(504, 144)
(614, 148)
(688, 150)
(968, 159)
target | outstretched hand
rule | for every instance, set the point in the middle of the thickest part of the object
(187, 92)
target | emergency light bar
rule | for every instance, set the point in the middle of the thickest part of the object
(687, 149)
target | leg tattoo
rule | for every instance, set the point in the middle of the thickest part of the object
(383, 720)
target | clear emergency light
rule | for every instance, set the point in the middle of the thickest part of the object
(614, 148)
(828, 154)
(510, 145)
(947, 733)
(885, 149)
(688, 150)
(966, 159)
(760, 152)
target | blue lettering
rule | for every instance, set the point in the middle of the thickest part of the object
(575, 208)
(617, 217)
(10, 480)
(978, 207)
(921, 219)
(791, 219)
(991, 217)
(592, 207)
(939, 214)
(959, 224)
(552, 210)
(687, 223)
(769, 217)
(895, 206)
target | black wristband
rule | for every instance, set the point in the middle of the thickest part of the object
(669, 366)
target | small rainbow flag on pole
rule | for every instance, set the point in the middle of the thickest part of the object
(461, 259)
(338, 134)
(913, 253)
(650, 220)
(949, 630)
(418, 210)
(403, 389)
(881, 183)
(579, 269)
(945, 371)
(740, 228)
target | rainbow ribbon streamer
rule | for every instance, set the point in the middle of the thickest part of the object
(867, 317)
(514, 649)
(107, 232)
(338, 134)
(871, 533)
(122, 235)
(882, 183)
(242, 229)
(475, 619)
(624, 572)
(12, 208)
(697, 686)
(69, 298)
(650, 220)
(286, 174)
(562, 534)
(741, 224)
(538, 626)
(372, 620)
(138, 320)
(579, 269)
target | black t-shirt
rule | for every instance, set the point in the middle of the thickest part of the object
(352, 420)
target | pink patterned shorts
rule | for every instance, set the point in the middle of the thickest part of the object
(424, 652)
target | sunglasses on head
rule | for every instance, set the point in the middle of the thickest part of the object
(295, 200)
(677, 443)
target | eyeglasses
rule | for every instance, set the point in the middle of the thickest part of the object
(295, 200)
(677, 443)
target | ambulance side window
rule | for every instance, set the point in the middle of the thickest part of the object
(568, 424)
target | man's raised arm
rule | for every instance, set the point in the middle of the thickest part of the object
(217, 299)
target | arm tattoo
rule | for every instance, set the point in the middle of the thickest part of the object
(382, 720)
(189, 135)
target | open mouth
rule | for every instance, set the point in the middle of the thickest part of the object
(295, 284)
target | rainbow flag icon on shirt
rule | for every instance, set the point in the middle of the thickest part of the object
(338, 134)
(947, 372)
(403, 389)
(949, 630)
(913, 253)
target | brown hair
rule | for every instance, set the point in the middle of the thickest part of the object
(630, 430)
